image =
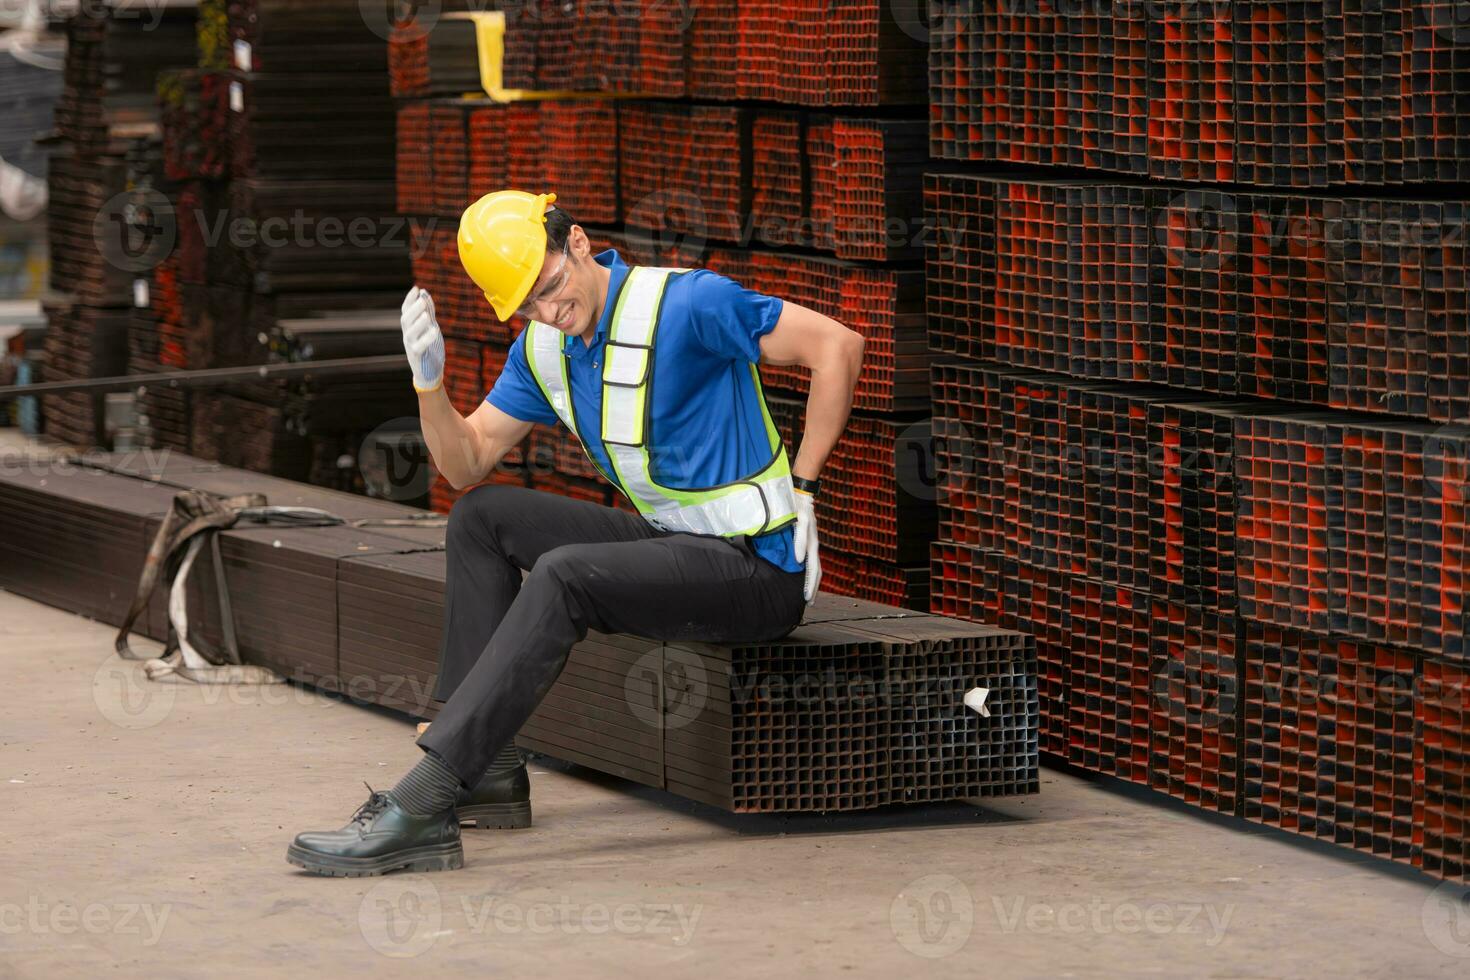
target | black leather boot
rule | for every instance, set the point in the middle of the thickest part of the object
(501, 800)
(381, 837)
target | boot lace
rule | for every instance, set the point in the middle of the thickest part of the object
(376, 803)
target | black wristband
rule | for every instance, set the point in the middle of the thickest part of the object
(806, 486)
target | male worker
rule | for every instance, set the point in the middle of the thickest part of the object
(655, 372)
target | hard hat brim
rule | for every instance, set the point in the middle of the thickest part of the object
(507, 310)
(525, 263)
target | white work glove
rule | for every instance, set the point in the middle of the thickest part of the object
(422, 341)
(806, 542)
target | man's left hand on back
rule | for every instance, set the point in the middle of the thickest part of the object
(806, 542)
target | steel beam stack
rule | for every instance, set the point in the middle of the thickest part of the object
(856, 54)
(862, 705)
(267, 70)
(214, 220)
(1264, 92)
(1440, 719)
(859, 54)
(106, 112)
(29, 90)
(78, 543)
(848, 712)
(1330, 740)
(1347, 303)
(1204, 436)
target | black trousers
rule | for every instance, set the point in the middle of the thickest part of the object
(591, 567)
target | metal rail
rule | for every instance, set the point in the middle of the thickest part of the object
(217, 377)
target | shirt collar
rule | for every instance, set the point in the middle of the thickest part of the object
(618, 270)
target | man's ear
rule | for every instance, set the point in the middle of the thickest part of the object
(580, 243)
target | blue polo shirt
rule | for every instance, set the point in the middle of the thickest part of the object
(709, 333)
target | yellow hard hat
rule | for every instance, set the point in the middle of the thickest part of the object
(502, 244)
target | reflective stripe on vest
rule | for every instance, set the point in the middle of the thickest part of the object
(760, 502)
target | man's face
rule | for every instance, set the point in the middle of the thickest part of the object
(567, 294)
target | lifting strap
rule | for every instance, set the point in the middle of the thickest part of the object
(194, 520)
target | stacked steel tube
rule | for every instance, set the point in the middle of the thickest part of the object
(860, 54)
(1345, 303)
(264, 228)
(1261, 92)
(862, 705)
(781, 726)
(1205, 440)
(184, 192)
(104, 160)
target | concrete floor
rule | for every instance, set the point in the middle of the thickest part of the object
(143, 829)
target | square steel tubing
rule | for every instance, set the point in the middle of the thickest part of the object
(1110, 690)
(76, 538)
(1195, 725)
(390, 614)
(1330, 741)
(1443, 756)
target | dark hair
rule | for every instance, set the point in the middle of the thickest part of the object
(558, 228)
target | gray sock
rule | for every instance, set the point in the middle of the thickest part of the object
(430, 787)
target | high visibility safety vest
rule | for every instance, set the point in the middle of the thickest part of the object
(755, 504)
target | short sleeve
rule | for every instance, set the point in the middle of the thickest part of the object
(516, 392)
(729, 319)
